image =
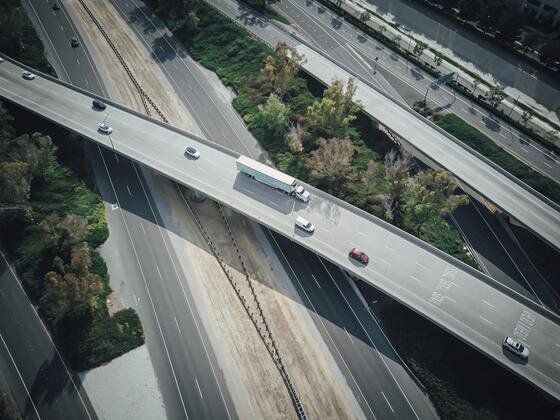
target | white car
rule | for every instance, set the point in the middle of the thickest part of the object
(104, 128)
(27, 75)
(192, 152)
(516, 348)
(304, 224)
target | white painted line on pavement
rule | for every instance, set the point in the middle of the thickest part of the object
(78, 61)
(177, 324)
(503, 135)
(385, 261)
(20, 377)
(550, 166)
(142, 226)
(420, 265)
(349, 336)
(390, 249)
(489, 304)
(360, 233)
(198, 386)
(484, 319)
(417, 279)
(451, 299)
(159, 273)
(525, 150)
(116, 157)
(61, 28)
(316, 282)
(387, 401)
(128, 189)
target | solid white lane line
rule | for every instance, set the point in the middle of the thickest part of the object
(316, 282)
(78, 61)
(387, 401)
(349, 336)
(20, 377)
(199, 390)
(61, 28)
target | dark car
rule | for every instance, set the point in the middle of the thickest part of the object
(55, 6)
(358, 255)
(98, 104)
(74, 42)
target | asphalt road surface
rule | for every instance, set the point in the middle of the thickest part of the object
(221, 123)
(345, 43)
(535, 211)
(458, 298)
(189, 379)
(42, 385)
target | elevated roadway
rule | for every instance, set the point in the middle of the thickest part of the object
(536, 212)
(460, 299)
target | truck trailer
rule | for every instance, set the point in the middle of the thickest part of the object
(271, 177)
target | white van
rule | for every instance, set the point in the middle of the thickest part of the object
(304, 224)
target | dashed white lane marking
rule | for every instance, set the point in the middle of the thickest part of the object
(316, 282)
(385, 261)
(417, 279)
(489, 304)
(142, 227)
(484, 319)
(159, 273)
(390, 249)
(420, 265)
(550, 166)
(199, 390)
(177, 324)
(387, 401)
(128, 189)
(525, 150)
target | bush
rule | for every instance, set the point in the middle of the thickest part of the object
(485, 146)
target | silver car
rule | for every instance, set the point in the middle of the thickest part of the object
(104, 128)
(27, 75)
(192, 152)
(516, 348)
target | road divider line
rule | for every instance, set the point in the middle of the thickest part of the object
(387, 401)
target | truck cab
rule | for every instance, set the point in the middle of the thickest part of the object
(301, 194)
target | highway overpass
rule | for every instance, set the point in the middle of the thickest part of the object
(532, 209)
(460, 299)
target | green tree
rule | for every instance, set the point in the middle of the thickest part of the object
(15, 182)
(438, 58)
(419, 48)
(271, 121)
(397, 169)
(527, 116)
(330, 165)
(333, 114)
(280, 68)
(61, 234)
(496, 95)
(475, 83)
(427, 195)
(365, 16)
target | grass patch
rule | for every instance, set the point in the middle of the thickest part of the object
(462, 384)
(485, 146)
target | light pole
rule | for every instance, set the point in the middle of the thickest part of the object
(427, 89)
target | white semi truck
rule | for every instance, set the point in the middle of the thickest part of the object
(271, 177)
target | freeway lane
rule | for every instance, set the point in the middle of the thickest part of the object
(355, 340)
(42, 385)
(191, 384)
(458, 298)
(526, 205)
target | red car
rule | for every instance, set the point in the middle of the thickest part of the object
(359, 255)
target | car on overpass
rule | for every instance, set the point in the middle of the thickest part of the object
(104, 128)
(27, 75)
(516, 348)
(359, 255)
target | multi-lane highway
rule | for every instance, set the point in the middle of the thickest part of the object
(188, 374)
(535, 211)
(345, 43)
(40, 381)
(453, 295)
